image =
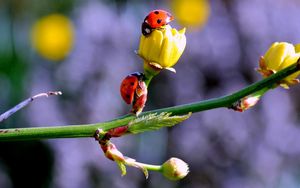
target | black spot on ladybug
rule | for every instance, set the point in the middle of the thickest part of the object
(158, 21)
(156, 12)
(131, 83)
(127, 96)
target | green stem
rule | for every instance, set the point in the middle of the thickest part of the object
(149, 72)
(262, 91)
(150, 167)
(89, 130)
(148, 79)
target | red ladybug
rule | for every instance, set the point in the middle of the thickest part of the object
(129, 85)
(154, 20)
(134, 91)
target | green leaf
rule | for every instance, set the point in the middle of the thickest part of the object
(155, 121)
(122, 167)
(133, 163)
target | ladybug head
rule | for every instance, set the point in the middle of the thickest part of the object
(146, 29)
(139, 75)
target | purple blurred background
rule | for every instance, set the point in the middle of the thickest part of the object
(257, 148)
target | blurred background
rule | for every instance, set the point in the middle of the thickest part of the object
(86, 47)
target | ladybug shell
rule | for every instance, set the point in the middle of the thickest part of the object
(158, 18)
(128, 87)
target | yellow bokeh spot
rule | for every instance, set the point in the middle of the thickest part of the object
(52, 36)
(191, 13)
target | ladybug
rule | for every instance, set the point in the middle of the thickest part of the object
(156, 19)
(134, 91)
(129, 86)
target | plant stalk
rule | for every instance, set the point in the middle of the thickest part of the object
(88, 130)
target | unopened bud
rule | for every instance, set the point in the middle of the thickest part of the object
(111, 152)
(175, 169)
(245, 103)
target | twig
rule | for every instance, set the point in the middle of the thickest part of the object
(24, 103)
(88, 130)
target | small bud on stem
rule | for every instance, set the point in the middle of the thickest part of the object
(175, 169)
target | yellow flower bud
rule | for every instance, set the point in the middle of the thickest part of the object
(297, 48)
(162, 48)
(175, 169)
(277, 53)
(279, 56)
(52, 36)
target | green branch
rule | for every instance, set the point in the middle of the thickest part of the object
(72, 131)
